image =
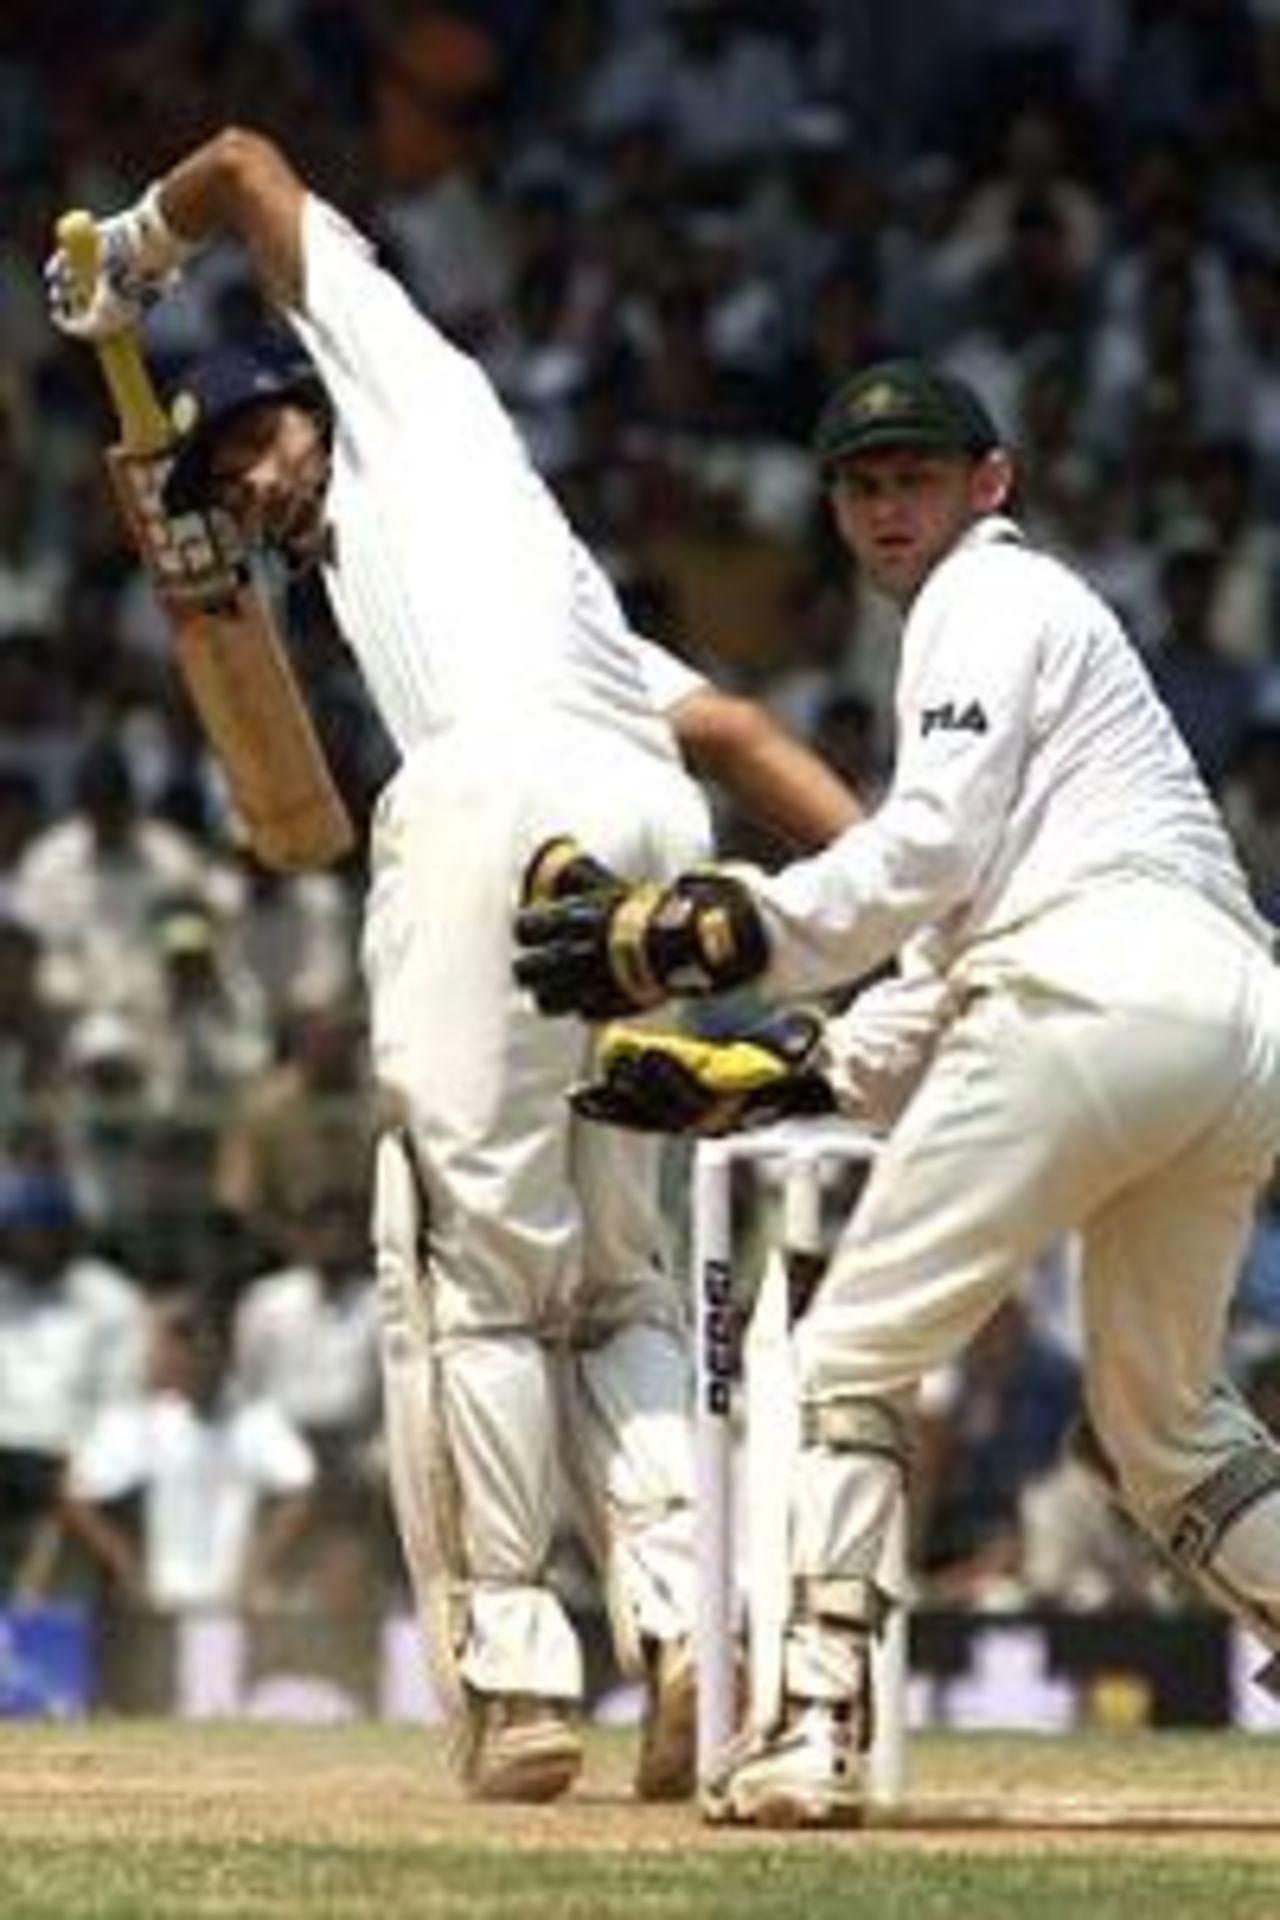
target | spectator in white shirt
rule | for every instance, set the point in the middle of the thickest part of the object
(221, 1486)
(306, 1335)
(296, 934)
(306, 1338)
(91, 883)
(72, 1343)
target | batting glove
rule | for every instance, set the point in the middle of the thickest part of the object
(608, 948)
(139, 259)
(655, 1082)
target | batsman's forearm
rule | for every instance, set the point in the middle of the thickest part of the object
(771, 776)
(240, 184)
(787, 787)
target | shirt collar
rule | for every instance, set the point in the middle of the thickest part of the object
(992, 527)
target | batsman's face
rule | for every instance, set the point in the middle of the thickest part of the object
(899, 510)
(270, 471)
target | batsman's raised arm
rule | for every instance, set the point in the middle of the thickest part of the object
(238, 183)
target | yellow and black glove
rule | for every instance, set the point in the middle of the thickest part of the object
(594, 945)
(674, 1083)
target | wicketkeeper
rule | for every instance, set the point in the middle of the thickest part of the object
(1084, 1037)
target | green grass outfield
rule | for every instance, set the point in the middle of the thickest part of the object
(110, 1821)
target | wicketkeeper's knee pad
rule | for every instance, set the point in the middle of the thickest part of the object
(851, 1475)
(1224, 1535)
(854, 1457)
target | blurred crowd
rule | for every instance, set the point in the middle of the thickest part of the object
(667, 227)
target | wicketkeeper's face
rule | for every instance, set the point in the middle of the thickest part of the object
(900, 509)
(270, 471)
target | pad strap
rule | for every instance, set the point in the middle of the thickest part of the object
(1218, 1502)
(844, 1600)
(856, 1426)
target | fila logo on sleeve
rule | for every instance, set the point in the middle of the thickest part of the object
(951, 718)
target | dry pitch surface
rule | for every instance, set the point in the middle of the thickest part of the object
(137, 1821)
(370, 1786)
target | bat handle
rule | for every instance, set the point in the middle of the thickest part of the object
(144, 425)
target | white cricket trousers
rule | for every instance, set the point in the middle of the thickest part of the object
(1114, 1072)
(560, 1349)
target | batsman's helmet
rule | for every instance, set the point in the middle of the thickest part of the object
(226, 383)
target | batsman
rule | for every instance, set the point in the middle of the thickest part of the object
(533, 1331)
(1083, 1036)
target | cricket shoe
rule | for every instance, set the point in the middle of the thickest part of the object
(522, 1749)
(669, 1731)
(807, 1772)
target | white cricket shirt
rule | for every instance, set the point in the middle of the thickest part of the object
(1034, 759)
(457, 581)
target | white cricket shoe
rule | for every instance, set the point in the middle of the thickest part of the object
(523, 1749)
(805, 1773)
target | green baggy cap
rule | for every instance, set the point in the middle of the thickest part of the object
(904, 403)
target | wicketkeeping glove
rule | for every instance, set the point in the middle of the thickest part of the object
(140, 256)
(594, 945)
(673, 1083)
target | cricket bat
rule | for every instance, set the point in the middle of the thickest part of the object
(230, 655)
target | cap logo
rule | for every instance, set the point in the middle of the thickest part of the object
(184, 413)
(879, 399)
